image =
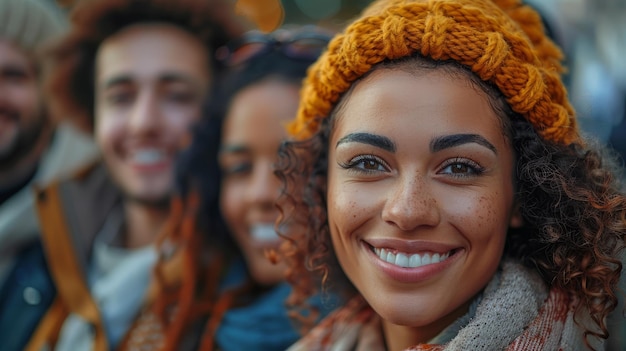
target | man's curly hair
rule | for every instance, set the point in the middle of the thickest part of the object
(71, 83)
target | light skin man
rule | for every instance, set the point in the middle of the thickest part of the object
(137, 74)
(147, 98)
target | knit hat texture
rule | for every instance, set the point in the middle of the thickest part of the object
(501, 41)
(30, 23)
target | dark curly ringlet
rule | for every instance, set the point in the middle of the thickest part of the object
(71, 83)
(575, 218)
(568, 195)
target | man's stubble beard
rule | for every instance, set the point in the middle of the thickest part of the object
(156, 202)
(26, 140)
(161, 203)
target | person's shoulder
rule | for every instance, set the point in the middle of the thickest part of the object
(71, 153)
(81, 199)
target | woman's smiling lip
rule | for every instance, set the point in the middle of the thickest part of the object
(412, 274)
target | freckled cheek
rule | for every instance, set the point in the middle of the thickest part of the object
(350, 205)
(480, 215)
(345, 214)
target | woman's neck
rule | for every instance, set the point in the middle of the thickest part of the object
(142, 224)
(400, 337)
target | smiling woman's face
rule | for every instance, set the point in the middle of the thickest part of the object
(252, 132)
(420, 195)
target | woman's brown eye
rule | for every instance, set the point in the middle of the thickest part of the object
(371, 164)
(459, 168)
(366, 164)
(462, 168)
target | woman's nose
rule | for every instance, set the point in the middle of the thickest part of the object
(411, 204)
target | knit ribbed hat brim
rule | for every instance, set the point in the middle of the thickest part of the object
(501, 41)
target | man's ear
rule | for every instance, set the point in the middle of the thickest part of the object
(516, 220)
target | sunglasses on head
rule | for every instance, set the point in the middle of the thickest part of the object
(302, 44)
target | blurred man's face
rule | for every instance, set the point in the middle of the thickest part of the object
(151, 81)
(21, 111)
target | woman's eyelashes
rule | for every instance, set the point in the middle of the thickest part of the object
(461, 167)
(366, 164)
(458, 167)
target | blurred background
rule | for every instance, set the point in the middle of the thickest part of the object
(329, 13)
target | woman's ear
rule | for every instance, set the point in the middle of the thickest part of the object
(516, 220)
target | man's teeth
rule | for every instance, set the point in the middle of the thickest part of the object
(148, 156)
(264, 232)
(410, 260)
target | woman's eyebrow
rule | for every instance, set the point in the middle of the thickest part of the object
(370, 139)
(452, 140)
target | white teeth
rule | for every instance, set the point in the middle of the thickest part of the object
(148, 156)
(264, 232)
(410, 260)
(402, 260)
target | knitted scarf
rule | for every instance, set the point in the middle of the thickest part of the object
(516, 313)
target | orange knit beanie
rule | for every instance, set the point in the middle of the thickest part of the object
(501, 41)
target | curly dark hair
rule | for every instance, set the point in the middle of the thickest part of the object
(71, 82)
(569, 196)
